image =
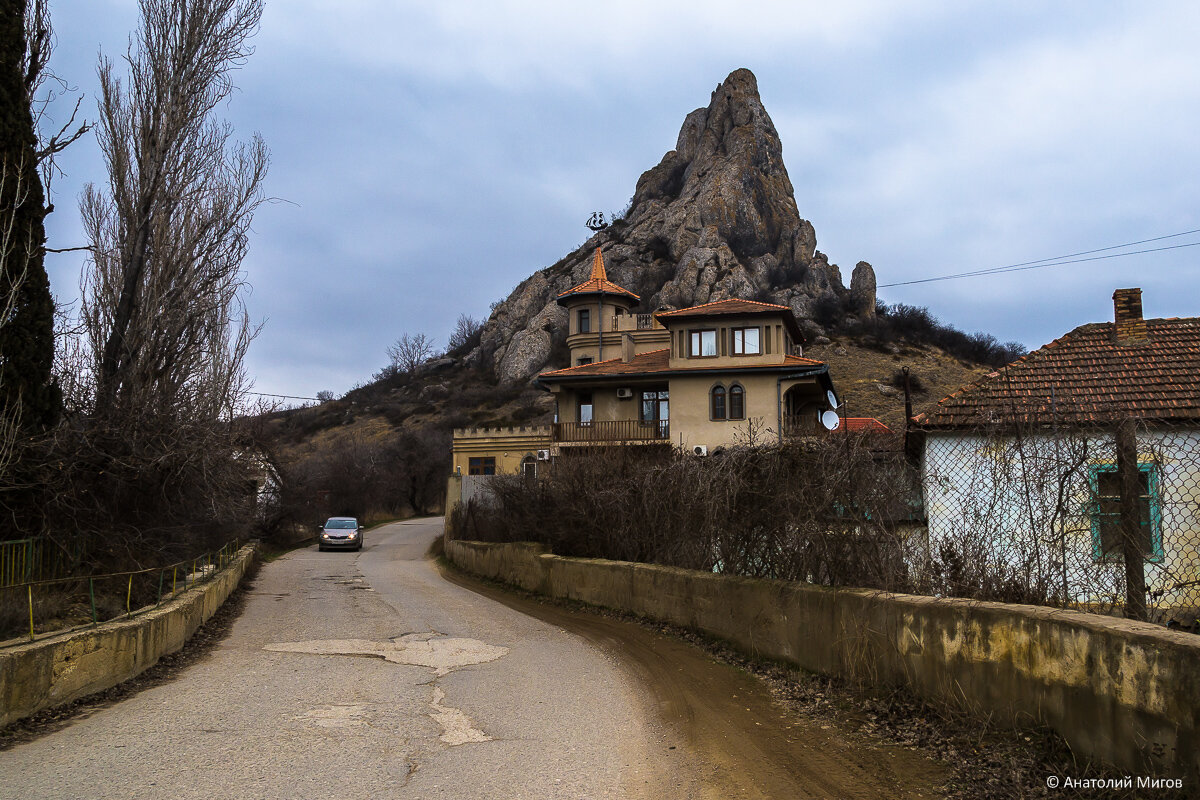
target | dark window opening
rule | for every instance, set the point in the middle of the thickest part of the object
(718, 402)
(483, 465)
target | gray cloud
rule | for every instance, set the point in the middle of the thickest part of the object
(431, 156)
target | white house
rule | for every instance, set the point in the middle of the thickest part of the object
(1020, 466)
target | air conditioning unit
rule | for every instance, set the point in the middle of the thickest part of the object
(543, 455)
(624, 394)
(700, 450)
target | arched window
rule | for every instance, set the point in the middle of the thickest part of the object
(737, 402)
(718, 402)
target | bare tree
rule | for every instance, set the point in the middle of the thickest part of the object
(466, 329)
(152, 462)
(161, 295)
(410, 352)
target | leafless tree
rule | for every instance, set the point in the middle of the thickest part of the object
(150, 460)
(161, 295)
(409, 352)
(466, 329)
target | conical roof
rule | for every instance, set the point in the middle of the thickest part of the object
(597, 282)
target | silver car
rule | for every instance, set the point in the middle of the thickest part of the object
(340, 533)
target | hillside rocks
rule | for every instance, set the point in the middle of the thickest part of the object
(716, 218)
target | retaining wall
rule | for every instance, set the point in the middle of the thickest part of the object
(59, 669)
(1124, 692)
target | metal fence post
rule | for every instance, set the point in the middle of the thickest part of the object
(1131, 520)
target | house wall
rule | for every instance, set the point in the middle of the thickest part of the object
(508, 446)
(773, 328)
(690, 408)
(1003, 494)
(1124, 692)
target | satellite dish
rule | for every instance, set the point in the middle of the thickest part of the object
(831, 420)
(833, 403)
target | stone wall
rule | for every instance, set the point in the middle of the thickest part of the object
(1124, 692)
(56, 670)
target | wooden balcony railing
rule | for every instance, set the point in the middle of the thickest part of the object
(624, 430)
(801, 425)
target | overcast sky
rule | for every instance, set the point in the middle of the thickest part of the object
(429, 156)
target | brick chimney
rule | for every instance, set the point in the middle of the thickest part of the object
(1130, 327)
(627, 348)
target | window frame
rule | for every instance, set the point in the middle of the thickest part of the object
(716, 393)
(589, 403)
(1097, 516)
(583, 320)
(737, 341)
(481, 465)
(696, 342)
(739, 391)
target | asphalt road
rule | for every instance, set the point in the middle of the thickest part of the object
(370, 675)
(366, 675)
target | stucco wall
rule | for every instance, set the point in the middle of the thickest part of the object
(1124, 692)
(999, 489)
(59, 669)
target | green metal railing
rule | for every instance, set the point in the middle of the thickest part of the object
(88, 600)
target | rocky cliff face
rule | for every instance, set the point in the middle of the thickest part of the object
(716, 218)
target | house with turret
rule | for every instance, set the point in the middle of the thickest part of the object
(696, 379)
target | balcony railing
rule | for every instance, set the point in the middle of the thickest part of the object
(624, 430)
(801, 425)
(634, 322)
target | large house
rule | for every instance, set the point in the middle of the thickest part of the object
(1025, 462)
(700, 378)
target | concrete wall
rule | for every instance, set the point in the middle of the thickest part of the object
(1124, 692)
(59, 669)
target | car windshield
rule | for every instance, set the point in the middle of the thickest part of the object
(341, 524)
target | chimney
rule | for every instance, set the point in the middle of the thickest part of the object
(1130, 328)
(627, 349)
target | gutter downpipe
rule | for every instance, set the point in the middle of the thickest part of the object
(779, 407)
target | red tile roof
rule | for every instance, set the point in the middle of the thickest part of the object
(731, 307)
(856, 424)
(598, 281)
(658, 361)
(1085, 377)
(720, 307)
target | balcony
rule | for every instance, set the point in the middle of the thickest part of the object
(635, 322)
(611, 432)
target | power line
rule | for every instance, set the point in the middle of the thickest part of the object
(283, 396)
(1069, 258)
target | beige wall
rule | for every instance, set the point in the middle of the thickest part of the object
(1124, 692)
(508, 446)
(774, 329)
(59, 669)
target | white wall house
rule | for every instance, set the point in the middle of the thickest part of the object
(1019, 468)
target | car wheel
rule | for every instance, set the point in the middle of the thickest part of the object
(320, 548)
(360, 544)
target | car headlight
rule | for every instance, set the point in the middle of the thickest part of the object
(353, 534)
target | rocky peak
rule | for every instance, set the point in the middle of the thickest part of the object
(716, 218)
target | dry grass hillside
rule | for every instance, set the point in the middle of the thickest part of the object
(868, 381)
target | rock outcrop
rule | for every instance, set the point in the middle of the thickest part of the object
(716, 218)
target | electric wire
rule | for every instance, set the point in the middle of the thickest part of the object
(1069, 258)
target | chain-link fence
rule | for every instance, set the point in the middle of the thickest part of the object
(1103, 519)
(41, 607)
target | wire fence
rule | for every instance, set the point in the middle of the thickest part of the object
(1104, 519)
(38, 608)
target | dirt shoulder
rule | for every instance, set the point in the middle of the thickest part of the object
(771, 730)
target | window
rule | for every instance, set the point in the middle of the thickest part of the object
(585, 408)
(1105, 486)
(529, 467)
(583, 361)
(655, 410)
(703, 344)
(585, 320)
(737, 402)
(717, 404)
(746, 341)
(485, 465)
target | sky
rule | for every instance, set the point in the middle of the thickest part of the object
(427, 157)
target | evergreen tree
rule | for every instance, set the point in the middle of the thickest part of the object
(27, 386)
